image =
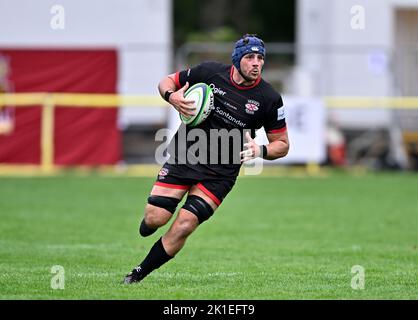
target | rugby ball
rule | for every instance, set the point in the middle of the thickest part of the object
(202, 96)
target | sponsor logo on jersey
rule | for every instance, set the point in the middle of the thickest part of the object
(227, 104)
(229, 118)
(163, 172)
(280, 113)
(216, 90)
(251, 106)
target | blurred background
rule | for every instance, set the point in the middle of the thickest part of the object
(78, 79)
(79, 113)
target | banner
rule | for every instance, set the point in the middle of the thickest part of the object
(82, 136)
(306, 127)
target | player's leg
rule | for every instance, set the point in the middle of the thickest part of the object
(165, 195)
(203, 199)
(162, 204)
(197, 208)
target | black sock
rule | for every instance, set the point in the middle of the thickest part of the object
(144, 230)
(155, 259)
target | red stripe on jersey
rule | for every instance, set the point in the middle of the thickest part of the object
(172, 186)
(177, 80)
(242, 87)
(278, 130)
(209, 194)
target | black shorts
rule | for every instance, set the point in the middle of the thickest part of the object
(178, 176)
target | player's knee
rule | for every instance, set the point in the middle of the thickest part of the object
(153, 217)
(185, 226)
(199, 207)
(158, 211)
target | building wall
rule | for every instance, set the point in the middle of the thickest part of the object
(339, 60)
(140, 30)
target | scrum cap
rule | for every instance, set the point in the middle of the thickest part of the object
(247, 44)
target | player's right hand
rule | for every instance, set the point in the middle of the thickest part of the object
(252, 150)
(182, 105)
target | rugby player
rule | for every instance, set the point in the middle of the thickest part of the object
(242, 101)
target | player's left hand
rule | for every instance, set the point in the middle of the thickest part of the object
(253, 149)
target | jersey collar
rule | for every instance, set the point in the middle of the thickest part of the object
(242, 87)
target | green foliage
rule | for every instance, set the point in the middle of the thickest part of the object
(221, 34)
(228, 20)
(272, 238)
(274, 20)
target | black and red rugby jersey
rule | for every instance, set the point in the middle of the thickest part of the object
(235, 107)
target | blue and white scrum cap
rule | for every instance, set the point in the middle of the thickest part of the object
(247, 44)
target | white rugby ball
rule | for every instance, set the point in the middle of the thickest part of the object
(202, 96)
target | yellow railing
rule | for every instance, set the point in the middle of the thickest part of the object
(372, 102)
(80, 100)
(49, 101)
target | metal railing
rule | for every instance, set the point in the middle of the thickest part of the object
(49, 101)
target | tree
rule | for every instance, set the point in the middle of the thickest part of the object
(223, 20)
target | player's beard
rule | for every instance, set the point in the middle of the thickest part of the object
(247, 78)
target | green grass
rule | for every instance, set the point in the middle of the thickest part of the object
(272, 238)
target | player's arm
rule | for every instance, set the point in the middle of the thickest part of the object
(278, 146)
(168, 91)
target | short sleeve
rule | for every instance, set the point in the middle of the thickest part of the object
(193, 75)
(275, 117)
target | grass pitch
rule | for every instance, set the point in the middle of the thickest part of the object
(272, 238)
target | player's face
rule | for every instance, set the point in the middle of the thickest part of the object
(251, 65)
